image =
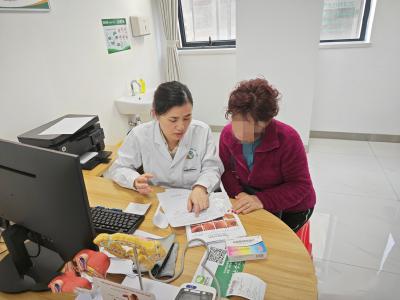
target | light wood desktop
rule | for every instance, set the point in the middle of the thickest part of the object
(288, 269)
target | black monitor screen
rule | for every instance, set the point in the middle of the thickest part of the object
(43, 192)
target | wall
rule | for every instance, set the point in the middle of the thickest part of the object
(210, 76)
(358, 88)
(279, 41)
(56, 63)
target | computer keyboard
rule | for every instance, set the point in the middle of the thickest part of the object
(110, 220)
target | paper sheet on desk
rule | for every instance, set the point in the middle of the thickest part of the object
(85, 157)
(159, 289)
(120, 266)
(174, 205)
(114, 291)
(67, 126)
(247, 286)
(137, 208)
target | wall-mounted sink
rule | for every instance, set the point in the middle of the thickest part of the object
(135, 105)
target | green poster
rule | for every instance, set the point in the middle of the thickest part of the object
(116, 34)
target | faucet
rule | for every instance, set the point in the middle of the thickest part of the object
(133, 82)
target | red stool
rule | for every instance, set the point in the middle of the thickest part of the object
(304, 234)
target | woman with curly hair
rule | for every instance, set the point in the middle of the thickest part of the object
(265, 161)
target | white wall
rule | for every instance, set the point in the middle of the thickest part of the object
(56, 63)
(279, 41)
(358, 89)
(276, 39)
(210, 76)
(355, 90)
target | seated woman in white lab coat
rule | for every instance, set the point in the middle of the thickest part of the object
(173, 150)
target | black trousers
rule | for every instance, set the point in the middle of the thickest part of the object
(295, 220)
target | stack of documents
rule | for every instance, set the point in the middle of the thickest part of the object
(174, 205)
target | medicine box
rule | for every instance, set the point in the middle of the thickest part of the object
(246, 248)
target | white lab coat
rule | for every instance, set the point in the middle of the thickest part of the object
(196, 160)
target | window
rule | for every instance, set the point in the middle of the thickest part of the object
(207, 23)
(344, 20)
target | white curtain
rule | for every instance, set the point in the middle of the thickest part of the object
(169, 15)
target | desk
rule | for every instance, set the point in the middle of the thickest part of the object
(288, 269)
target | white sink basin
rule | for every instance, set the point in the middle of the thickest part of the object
(135, 105)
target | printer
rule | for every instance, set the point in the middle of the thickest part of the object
(89, 137)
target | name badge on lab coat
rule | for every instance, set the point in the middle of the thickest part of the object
(191, 164)
(192, 153)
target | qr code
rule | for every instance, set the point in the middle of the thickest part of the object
(217, 255)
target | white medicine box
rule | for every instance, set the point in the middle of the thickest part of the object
(139, 25)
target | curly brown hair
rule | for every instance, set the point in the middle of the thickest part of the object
(255, 97)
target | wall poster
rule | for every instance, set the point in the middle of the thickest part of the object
(25, 5)
(116, 33)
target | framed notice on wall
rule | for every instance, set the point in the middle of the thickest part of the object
(25, 5)
(116, 34)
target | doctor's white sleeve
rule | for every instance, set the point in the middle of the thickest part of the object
(123, 170)
(211, 166)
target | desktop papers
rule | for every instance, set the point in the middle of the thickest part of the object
(137, 208)
(247, 286)
(67, 126)
(226, 227)
(114, 291)
(85, 157)
(121, 266)
(159, 289)
(174, 205)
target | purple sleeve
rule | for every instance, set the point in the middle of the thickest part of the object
(229, 180)
(296, 184)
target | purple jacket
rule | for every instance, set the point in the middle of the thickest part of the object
(280, 173)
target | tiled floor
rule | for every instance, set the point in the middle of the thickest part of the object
(355, 228)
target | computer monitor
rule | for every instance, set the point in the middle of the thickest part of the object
(43, 197)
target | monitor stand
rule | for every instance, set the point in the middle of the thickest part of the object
(21, 273)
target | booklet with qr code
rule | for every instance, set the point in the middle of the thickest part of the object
(218, 263)
(217, 230)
